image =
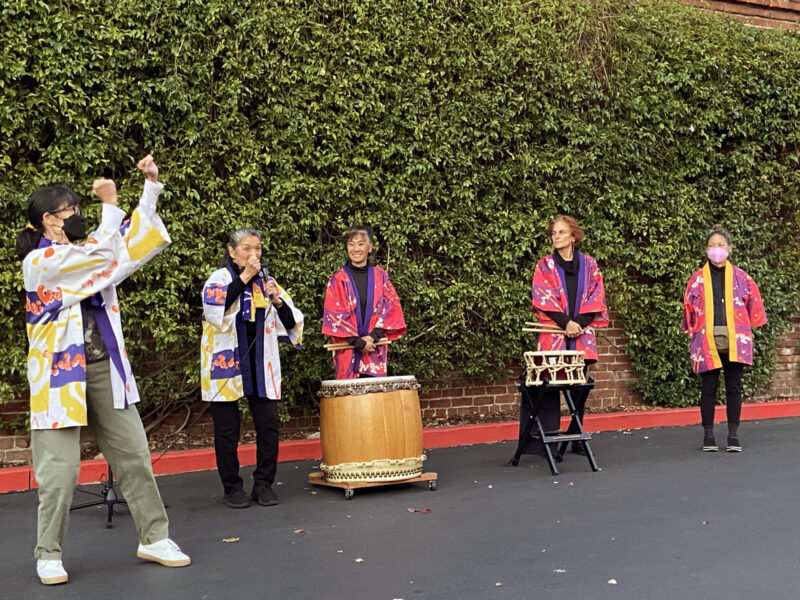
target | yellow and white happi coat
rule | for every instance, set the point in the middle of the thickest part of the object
(224, 345)
(57, 278)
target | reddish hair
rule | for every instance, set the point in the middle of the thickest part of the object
(577, 232)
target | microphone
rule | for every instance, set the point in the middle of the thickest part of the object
(264, 273)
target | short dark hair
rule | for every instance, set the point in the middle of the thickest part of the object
(365, 230)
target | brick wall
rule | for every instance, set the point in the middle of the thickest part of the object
(459, 396)
(786, 380)
(784, 14)
(14, 445)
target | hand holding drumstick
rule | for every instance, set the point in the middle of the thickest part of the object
(573, 329)
(346, 346)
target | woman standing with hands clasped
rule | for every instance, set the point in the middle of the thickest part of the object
(568, 292)
(78, 368)
(721, 306)
(361, 307)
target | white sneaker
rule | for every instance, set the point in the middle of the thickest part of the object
(51, 572)
(166, 552)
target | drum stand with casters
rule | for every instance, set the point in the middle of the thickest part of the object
(109, 498)
(350, 487)
(575, 396)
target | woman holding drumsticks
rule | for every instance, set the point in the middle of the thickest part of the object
(569, 300)
(361, 308)
(568, 292)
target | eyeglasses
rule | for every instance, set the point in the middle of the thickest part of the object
(74, 209)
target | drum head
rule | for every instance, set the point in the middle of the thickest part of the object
(366, 385)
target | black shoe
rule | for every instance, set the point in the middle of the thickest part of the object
(236, 499)
(264, 496)
(733, 444)
(709, 444)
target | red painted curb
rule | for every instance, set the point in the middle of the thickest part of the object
(15, 479)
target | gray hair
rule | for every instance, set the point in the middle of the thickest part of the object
(241, 233)
(718, 229)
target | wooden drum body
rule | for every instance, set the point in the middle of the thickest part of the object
(371, 429)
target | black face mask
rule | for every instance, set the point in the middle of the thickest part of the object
(74, 227)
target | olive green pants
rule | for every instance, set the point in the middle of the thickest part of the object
(122, 440)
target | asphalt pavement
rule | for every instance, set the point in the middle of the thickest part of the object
(660, 520)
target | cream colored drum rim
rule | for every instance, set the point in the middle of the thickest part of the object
(367, 385)
(569, 363)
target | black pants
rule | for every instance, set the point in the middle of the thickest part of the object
(733, 391)
(226, 441)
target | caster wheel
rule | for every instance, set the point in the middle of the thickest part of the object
(432, 485)
(348, 494)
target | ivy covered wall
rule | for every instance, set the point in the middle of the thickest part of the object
(456, 128)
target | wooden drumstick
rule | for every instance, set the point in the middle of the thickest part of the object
(539, 327)
(542, 325)
(346, 346)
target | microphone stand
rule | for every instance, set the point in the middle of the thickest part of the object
(108, 495)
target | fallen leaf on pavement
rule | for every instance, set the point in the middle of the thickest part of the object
(230, 540)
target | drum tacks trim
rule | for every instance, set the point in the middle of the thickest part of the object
(385, 469)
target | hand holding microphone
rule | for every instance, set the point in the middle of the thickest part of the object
(269, 286)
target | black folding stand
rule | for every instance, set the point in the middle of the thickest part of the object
(109, 498)
(533, 398)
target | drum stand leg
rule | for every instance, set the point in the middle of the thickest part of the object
(551, 460)
(575, 425)
(527, 427)
(575, 433)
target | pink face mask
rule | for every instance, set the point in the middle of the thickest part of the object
(717, 254)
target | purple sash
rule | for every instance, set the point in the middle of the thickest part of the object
(573, 311)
